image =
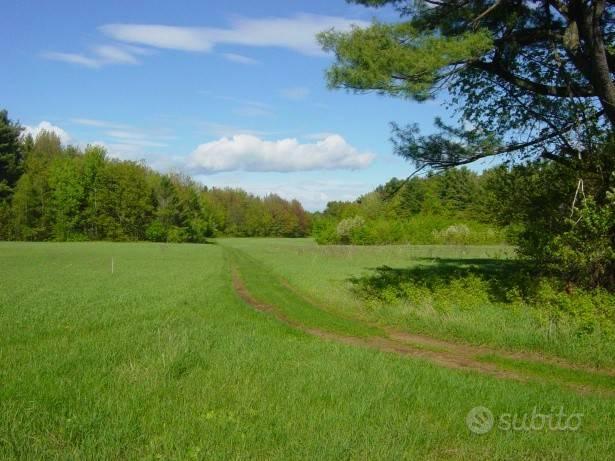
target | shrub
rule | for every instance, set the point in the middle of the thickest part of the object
(349, 227)
(457, 234)
(177, 235)
(422, 229)
(586, 253)
(156, 232)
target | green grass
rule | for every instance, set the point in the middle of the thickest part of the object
(262, 283)
(161, 359)
(550, 371)
(450, 308)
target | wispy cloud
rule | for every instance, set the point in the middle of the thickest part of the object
(73, 58)
(318, 136)
(298, 93)
(250, 153)
(244, 102)
(98, 123)
(160, 36)
(113, 54)
(99, 56)
(122, 135)
(243, 107)
(297, 33)
(136, 137)
(239, 58)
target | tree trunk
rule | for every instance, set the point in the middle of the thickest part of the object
(590, 28)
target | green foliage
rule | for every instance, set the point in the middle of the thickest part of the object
(65, 194)
(11, 155)
(156, 232)
(348, 229)
(585, 253)
(384, 56)
(422, 229)
(458, 287)
(445, 208)
(523, 74)
(561, 216)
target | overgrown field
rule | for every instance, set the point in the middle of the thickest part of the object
(471, 293)
(163, 359)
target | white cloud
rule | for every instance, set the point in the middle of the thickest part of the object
(98, 123)
(100, 56)
(113, 54)
(246, 107)
(125, 134)
(160, 36)
(135, 138)
(34, 131)
(297, 33)
(239, 58)
(250, 153)
(298, 93)
(73, 58)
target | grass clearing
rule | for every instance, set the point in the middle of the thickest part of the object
(453, 307)
(163, 359)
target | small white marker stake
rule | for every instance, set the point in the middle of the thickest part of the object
(112, 265)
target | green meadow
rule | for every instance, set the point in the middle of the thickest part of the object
(163, 359)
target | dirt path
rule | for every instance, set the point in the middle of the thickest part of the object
(444, 353)
(422, 340)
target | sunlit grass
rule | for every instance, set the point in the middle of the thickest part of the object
(453, 311)
(161, 359)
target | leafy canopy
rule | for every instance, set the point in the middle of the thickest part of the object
(532, 78)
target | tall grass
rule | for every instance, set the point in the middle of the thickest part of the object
(162, 360)
(460, 292)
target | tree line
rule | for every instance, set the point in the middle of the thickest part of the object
(530, 82)
(448, 207)
(53, 192)
(561, 218)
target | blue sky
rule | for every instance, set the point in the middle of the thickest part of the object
(232, 93)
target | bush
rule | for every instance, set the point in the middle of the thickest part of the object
(422, 229)
(577, 246)
(156, 232)
(583, 312)
(177, 235)
(457, 234)
(585, 254)
(349, 228)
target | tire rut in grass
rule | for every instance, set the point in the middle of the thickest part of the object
(419, 340)
(445, 358)
(442, 353)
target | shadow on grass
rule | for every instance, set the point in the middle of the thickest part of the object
(500, 278)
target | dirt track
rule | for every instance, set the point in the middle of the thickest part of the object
(444, 353)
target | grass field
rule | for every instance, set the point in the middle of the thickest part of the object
(163, 359)
(457, 310)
